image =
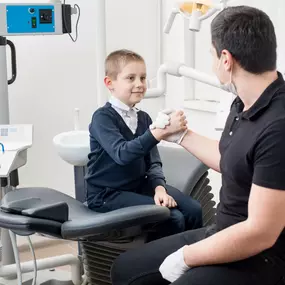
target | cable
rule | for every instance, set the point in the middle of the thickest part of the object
(16, 255)
(2, 147)
(77, 22)
(35, 261)
(85, 281)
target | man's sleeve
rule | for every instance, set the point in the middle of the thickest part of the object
(105, 130)
(269, 157)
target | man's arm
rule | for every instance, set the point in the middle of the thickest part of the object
(266, 211)
(266, 207)
(206, 150)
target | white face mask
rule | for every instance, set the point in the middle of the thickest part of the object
(229, 87)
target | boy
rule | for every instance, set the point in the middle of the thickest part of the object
(124, 166)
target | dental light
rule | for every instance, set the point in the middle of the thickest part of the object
(195, 11)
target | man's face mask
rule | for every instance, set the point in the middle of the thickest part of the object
(229, 87)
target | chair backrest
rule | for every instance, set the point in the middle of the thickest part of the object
(181, 169)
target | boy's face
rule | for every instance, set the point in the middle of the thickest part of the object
(130, 85)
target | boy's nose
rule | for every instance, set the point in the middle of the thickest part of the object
(139, 84)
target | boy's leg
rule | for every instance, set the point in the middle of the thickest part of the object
(122, 199)
(145, 261)
(190, 208)
(115, 199)
(174, 225)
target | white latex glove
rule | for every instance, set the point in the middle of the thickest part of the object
(163, 120)
(160, 122)
(174, 266)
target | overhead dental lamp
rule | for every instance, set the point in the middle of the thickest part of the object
(195, 11)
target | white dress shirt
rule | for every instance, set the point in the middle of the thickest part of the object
(128, 114)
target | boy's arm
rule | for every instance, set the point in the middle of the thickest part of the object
(104, 129)
(154, 165)
(154, 169)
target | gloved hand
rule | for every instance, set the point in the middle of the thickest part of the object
(174, 266)
(163, 120)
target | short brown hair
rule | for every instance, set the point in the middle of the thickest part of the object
(118, 59)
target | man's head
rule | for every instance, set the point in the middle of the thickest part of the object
(243, 37)
(126, 76)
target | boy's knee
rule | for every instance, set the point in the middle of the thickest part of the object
(198, 215)
(195, 216)
(177, 220)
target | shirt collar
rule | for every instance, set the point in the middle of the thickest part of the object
(263, 101)
(119, 104)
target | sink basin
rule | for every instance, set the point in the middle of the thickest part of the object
(73, 147)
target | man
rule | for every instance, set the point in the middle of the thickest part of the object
(247, 244)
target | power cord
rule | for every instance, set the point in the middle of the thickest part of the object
(2, 147)
(34, 260)
(16, 255)
(17, 258)
(76, 6)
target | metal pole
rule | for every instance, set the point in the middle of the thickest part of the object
(189, 57)
(7, 249)
(4, 100)
(100, 27)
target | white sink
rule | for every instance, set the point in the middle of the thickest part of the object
(73, 147)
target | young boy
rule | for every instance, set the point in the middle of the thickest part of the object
(124, 166)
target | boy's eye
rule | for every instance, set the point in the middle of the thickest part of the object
(131, 78)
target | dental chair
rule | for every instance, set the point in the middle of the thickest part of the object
(102, 237)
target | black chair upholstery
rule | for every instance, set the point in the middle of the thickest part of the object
(104, 236)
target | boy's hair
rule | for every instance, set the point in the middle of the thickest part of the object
(249, 35)
(116, 60)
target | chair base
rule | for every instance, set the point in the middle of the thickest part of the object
(45, 277)
(98, 258)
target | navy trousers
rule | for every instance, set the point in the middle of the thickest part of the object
(186, 216)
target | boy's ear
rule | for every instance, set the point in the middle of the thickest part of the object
(108, 83)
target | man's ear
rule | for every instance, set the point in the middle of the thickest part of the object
(108, 83)
(228, 59)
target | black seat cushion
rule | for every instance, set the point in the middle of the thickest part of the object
(82, 221)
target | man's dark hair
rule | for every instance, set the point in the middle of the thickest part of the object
(249, 35)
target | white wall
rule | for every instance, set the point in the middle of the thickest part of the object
(56, 75)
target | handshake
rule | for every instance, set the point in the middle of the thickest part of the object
(173, 125)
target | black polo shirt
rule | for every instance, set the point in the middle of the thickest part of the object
(252, 150)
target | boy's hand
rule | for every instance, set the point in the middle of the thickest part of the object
(161, 198)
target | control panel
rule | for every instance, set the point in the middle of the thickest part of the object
(35, 19)
(30, 19)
